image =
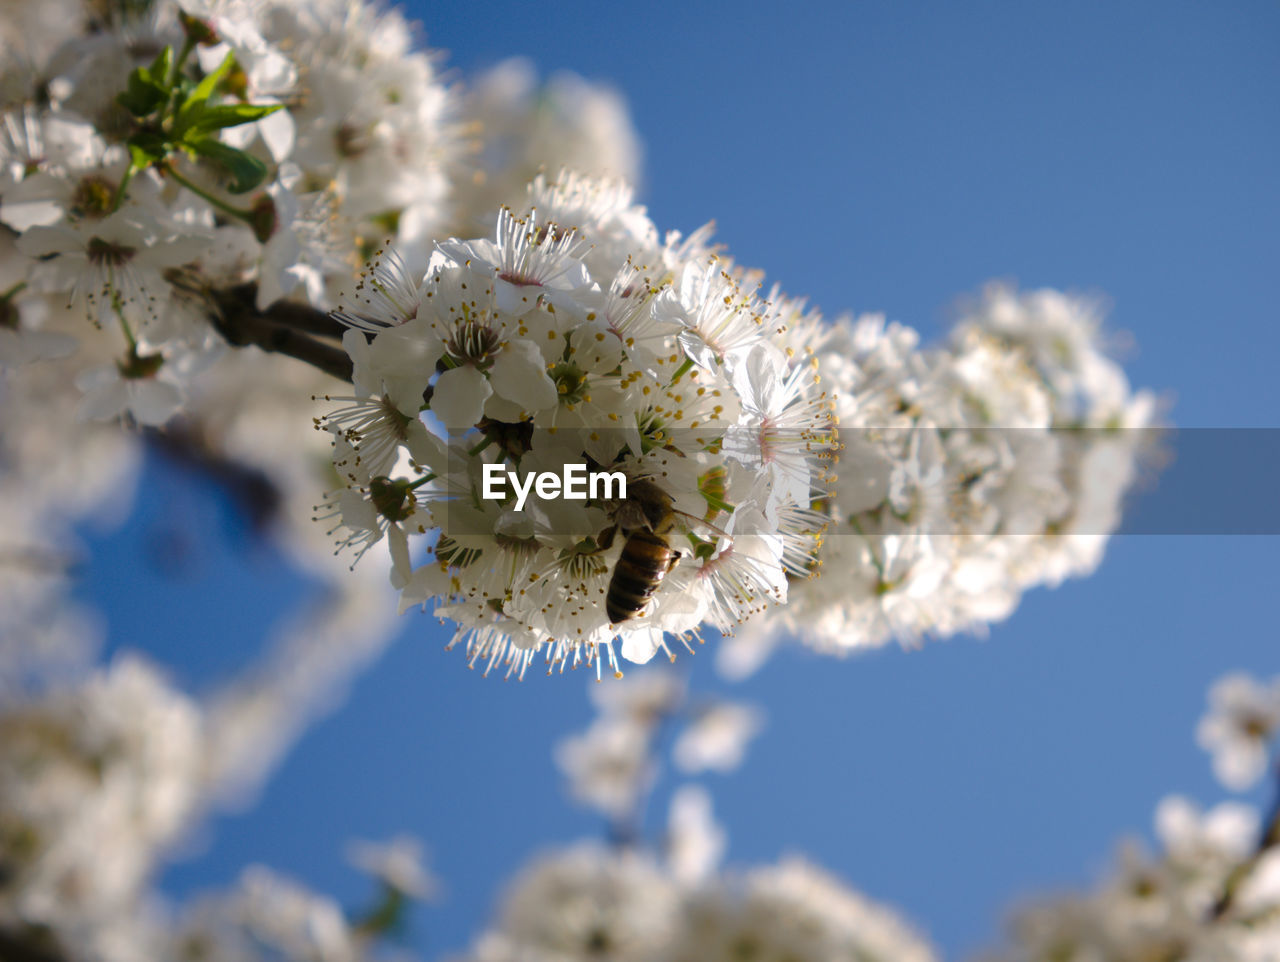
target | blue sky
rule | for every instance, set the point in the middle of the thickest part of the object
(884, 156)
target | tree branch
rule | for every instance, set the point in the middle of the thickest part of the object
(283, 328)
(1269, 839)
(29, 943)
(252, 490)
(300, 317)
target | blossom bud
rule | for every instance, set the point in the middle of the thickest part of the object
(264, 220)
(199, 31)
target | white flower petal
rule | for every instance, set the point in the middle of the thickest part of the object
(520, 375)
(459, 397)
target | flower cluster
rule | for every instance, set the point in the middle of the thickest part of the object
(1243, 718)
(94, 781)
(178, 171)
(577, 335)
(588, 902)
(1212, 894)
(178, 174)
(1162, 906)
(968, 473)
(612, 765)
(156, 155)
(267, 917)
(100, 780)
(526, 128)
(167, 167)
(158, 152)
(674, 902)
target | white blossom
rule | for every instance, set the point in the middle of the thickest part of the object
(99, 778)
(397, 863)
(717, 737)
(608, 767)
(695, 843)
(967, 474)
(1237, 730)
(524, 355)
(582, 903)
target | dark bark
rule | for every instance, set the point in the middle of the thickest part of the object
(295, 330)
(1269, 839)
(29, 944)
(252, 490)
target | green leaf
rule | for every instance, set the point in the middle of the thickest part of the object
(152, 141)
(203, 122)
(161, 66)
(141, 159)
(146, 148)
(142, 95)
(246, 170)
(205, 88)
(182, 88)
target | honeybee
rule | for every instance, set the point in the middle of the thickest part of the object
(646, 517)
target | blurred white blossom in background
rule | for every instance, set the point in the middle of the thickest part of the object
(1242, 719)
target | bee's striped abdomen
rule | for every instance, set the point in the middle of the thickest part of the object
(645, 560)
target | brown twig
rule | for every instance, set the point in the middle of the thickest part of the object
(250, 488)
(283, 328)
(300, 317)
(29, 944)
(1269, 839)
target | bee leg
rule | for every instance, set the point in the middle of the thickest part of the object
(605, 541)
